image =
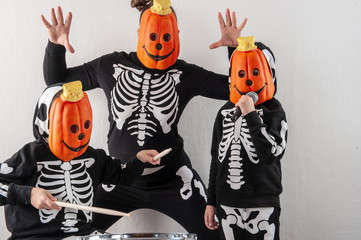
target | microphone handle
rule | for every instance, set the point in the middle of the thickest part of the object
(237, 113)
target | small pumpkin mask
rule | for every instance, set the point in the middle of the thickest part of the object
(70, 123)
(250, 72)
(158, 40)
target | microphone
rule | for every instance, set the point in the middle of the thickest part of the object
(237, 113)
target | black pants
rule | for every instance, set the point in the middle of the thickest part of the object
(248, 223)
(180, 196)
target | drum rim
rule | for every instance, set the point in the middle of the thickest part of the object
(148, 234)
(139, 235)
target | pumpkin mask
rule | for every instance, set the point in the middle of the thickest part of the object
(70, 122)
(251, 71)
(158, 40)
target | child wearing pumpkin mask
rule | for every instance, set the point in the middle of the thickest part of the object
(245, 174)
(59, 165)
(147, 91)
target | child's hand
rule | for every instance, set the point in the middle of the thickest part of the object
(246, 104)
(209, 215)
(229, 30)
(42, 199)
(148, 156)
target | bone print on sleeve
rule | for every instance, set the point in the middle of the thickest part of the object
(16, 175)
(268, 131)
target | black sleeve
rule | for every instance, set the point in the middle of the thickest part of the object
(16, 175)
(113, 172)
(230, 52)
(207, 83)
(270, 134)
(217, 132)
(55, 69)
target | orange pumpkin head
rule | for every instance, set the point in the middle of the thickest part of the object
(70, 123)
(250, 72)
(158, 40)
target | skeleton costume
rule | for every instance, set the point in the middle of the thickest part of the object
(144, 109)
(245, 174)
(75, 182)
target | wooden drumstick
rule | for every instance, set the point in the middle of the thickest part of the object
(162, 154)
(92, 209)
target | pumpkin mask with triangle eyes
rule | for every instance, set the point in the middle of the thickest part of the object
(70, 123)
(158, 40)
(250, 72)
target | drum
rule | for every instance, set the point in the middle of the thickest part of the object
(101, 237)
(142, 236)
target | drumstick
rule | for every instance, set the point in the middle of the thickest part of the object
(92, 209)
(162, 154)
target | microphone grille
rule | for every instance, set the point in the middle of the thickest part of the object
(253, 95)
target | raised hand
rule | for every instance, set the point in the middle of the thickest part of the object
(229, 30)
(148, 156)
(58, 30)
(42, 199)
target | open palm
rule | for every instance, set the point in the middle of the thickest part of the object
(59, 30)
(229, 30)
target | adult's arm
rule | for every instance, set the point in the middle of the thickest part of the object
(216, 85)
(55, 68)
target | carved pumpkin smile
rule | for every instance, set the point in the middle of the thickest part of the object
(78, 149)
(244, 93)
(157, 57)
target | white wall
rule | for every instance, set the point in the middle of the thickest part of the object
(317, 48)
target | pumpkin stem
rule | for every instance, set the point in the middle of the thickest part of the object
(72, 92)
(161, 7)
(246, 44)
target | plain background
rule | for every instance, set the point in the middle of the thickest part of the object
(317, 49)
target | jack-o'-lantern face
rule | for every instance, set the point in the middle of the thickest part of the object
(158, 40)
(250, 72)
(70, 127)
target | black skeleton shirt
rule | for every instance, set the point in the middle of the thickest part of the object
(245, 167)
(144, 104)
(75, 182)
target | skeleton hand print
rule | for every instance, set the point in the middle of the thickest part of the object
(68, 182)
(147, 98)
